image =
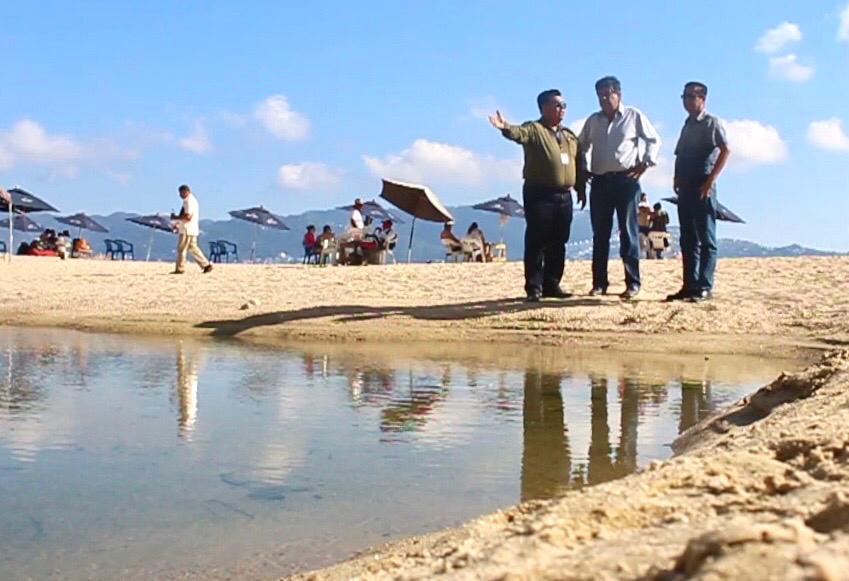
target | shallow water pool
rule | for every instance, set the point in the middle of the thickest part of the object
(128, 457)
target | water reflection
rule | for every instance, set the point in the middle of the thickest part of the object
(546, 461)
(333, 446)
(187, 388)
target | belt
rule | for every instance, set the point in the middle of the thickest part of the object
(613, 173)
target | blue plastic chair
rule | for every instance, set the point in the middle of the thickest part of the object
(229, 249)
(111, 248)
(215, 251)
(3, 248)
(125, 249)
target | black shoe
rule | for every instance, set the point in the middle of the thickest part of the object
(630, 292)
(533, 297)
(556, 293)
(598, 291)
(207, 268)
(682, 294)
(700, 296)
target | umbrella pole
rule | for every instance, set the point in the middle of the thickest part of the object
(253, 245)
(11, 244)
(410, 245)
(150, 245)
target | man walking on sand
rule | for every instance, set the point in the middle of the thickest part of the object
(189, 229)
(700, 155)
(550, 173)
(613, 135)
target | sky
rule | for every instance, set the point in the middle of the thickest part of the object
(297, 106)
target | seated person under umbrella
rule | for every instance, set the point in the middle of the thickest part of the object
(387, 236)
(475, 233)
(447, 234)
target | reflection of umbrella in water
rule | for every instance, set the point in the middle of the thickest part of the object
(259, 216)
(505, 206)
(376, 211)
(82, 221)
(19, 200)
(722, 213)
(154, 222)
(22, 223)
(416, 200)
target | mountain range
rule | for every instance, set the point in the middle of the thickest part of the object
(285, 246)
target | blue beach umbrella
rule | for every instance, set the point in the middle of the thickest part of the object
(505, 205)
(82, 221)
(377, 212)
(22, 223)
(259, 216)
(154, 222)
(722, 213)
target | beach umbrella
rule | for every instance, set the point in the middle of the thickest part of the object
(19, 200)
(154, 222)
(22, 223)
(259, 216)
(81, 221)
(722, 213)
(376, 211)
(416, 200)
(505, 205)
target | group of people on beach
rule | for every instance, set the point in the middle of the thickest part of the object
(606, 156)
(475, 240)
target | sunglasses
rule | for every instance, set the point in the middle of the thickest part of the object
(689, 96)
(559, 104)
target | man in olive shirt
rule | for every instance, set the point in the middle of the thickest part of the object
(700, 155)
(550, 173)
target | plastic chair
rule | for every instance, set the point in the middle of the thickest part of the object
(125, 249)
(452, 250)
(228, 249)
(214, 251)
(111, 248)
(472, 249)
(328, 252)
(3, 248)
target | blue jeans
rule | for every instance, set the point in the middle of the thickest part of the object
(697, 218)
(548, 222)
(615, 193)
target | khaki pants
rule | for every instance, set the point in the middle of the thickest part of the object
(190, 244)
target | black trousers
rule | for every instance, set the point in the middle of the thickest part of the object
(548, 223)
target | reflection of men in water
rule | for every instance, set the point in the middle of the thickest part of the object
(187, 389)
(694, 402)
(546, 462)
(629, 402)
(600, 465)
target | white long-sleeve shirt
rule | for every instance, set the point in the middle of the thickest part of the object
(613, 146)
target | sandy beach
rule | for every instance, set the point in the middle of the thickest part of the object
(760, 491)
(759, 302)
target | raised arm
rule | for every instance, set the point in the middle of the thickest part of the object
(517, 133)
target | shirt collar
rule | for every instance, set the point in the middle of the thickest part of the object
(699, 118)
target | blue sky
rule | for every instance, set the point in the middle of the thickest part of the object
(300, 106)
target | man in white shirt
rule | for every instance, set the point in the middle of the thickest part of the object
(612, 137)
(349, 240)
(189, 229)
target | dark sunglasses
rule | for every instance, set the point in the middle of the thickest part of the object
(688, 96)
(559, 104)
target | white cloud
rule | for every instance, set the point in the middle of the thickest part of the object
(789, 68)
(828, 134)
(774, 39)
(577, 125)
(659, 177)
(197, 141)
(307, 175)
(431, 162)
(275, 114)
(754, 143)
(843, 29)
(28, 142)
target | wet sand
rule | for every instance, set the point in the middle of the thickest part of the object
(761, 491)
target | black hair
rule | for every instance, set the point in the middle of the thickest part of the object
(472, 227)
(326, 228)
(700, 89)
(311, 227)
(543, 97)
(184, 188)
(657, 206)
(608, 81)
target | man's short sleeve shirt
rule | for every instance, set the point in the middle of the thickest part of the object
(698, 147)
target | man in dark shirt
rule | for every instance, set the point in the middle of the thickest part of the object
(700, 156)
(550, 172)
